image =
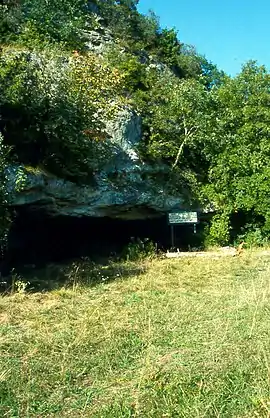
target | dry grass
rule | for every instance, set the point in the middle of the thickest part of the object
(173, 338)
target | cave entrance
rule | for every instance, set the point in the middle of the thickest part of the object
(37, 238)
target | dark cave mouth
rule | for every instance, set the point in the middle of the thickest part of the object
(36, 238)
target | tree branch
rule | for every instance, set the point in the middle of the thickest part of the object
(188, 133)
(179, 153)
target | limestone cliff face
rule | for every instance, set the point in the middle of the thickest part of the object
(125, 188)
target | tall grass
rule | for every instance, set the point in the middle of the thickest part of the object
(166, 338)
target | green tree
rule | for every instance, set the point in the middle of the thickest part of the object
(169, 47)
(178, 117)
(35, 22)
(238, 148)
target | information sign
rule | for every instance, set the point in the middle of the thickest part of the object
(183, 217)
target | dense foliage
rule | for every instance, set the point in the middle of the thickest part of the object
(57, 92)
(239, 151)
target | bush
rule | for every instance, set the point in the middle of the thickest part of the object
(139, 249)
(253, 236)
(219, 231)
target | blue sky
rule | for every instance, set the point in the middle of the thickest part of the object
(227, 32)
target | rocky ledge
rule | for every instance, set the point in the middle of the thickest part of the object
(125, 188)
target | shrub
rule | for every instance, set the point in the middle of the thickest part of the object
(253, 236)
(219, 231)
(139, 249)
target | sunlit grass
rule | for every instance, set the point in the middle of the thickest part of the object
(167, 338)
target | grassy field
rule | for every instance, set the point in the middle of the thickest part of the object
(163, 338)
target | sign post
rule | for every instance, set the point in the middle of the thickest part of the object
(182, 218)
(172, 235)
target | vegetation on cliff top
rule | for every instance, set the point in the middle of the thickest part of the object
(58, 90)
